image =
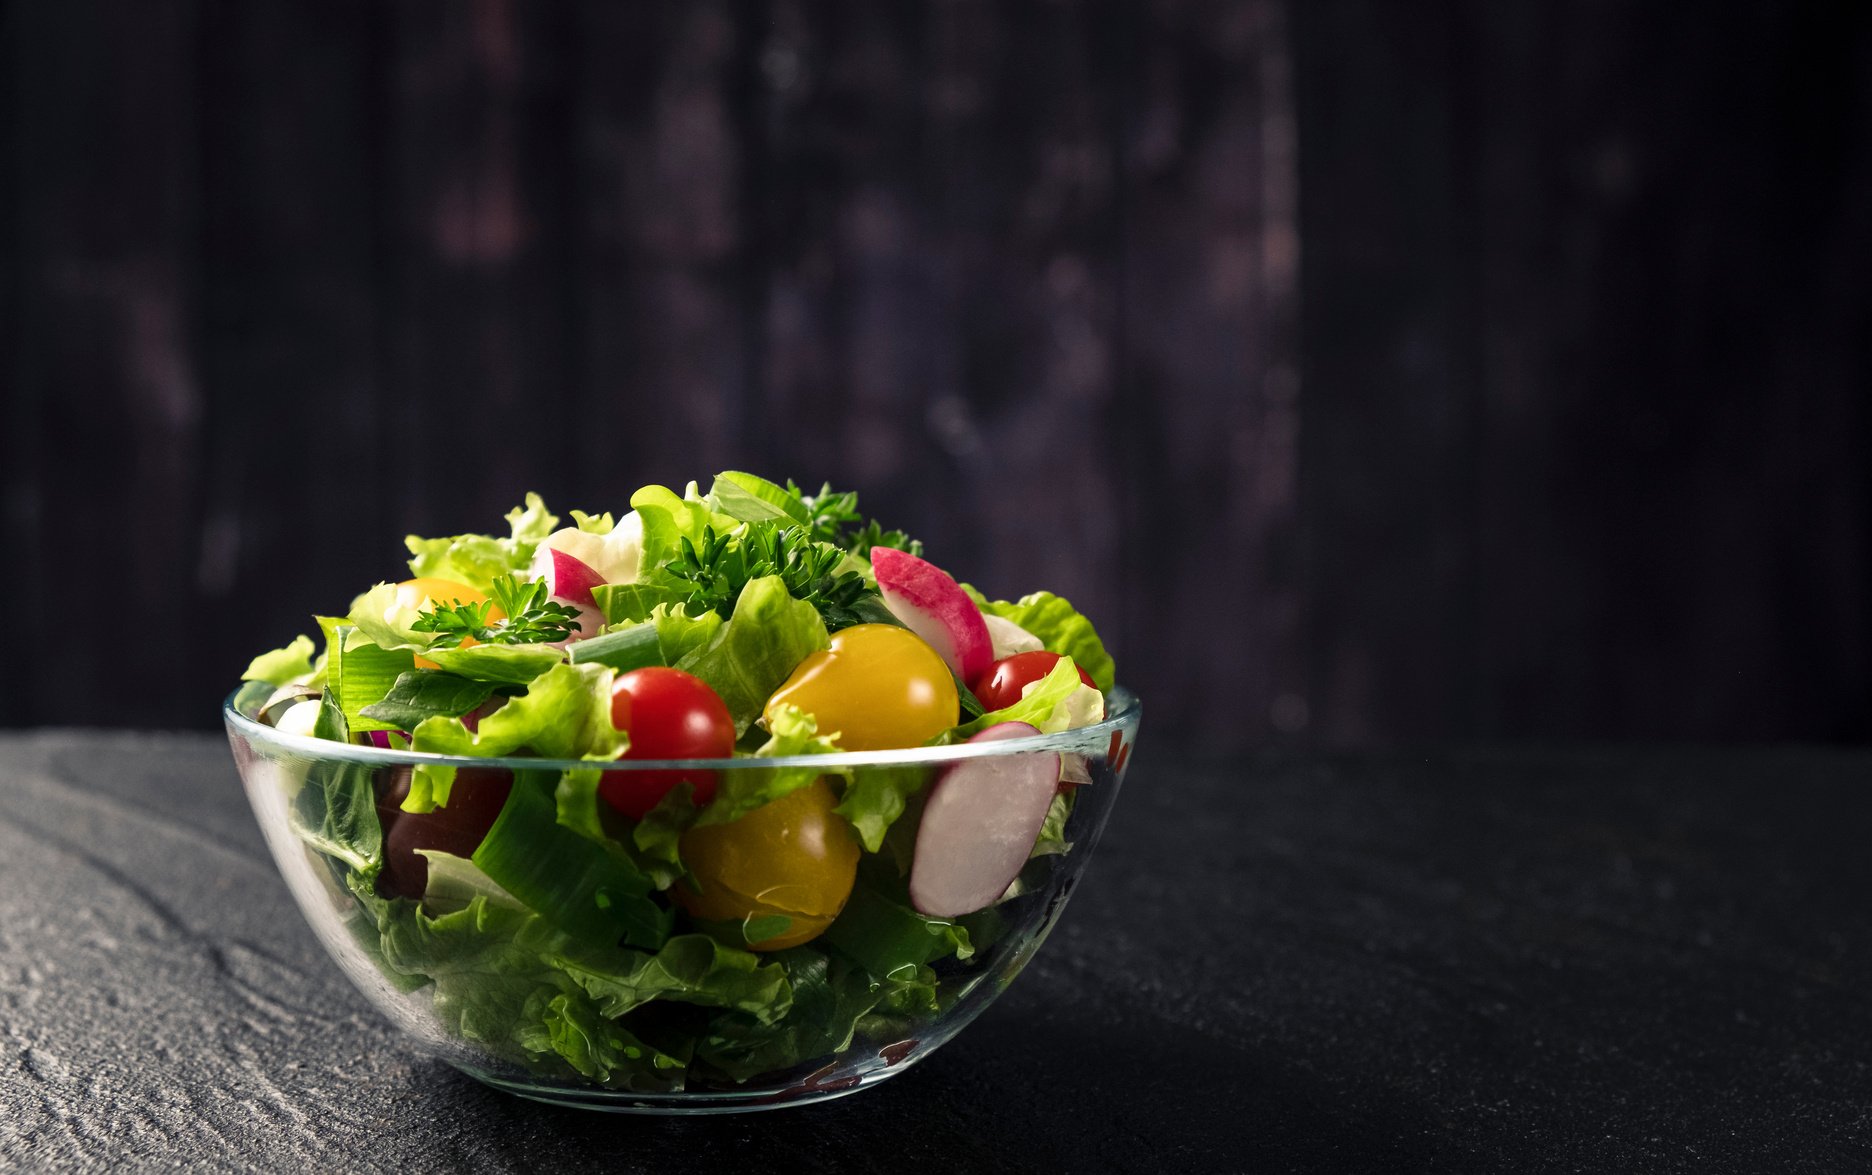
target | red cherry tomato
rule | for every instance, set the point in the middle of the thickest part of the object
(1000, 685)
(668, 714)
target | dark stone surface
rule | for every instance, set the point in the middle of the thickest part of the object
(1568, 960)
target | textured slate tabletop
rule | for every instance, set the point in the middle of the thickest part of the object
(1528, 960)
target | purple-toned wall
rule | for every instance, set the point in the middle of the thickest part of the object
(1373, 372)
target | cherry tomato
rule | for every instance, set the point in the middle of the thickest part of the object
(879, 687)
(795, 858)
(668, 714)
(475, 799)
(427, 591)
(1000, 685)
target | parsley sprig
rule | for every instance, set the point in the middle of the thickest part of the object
(530, 617)
(716, 572)
(830, 514)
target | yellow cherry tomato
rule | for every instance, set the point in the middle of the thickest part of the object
(879, 686)
(427, 591)
(793, 857)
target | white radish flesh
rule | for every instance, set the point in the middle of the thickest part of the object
(934, 606)
(979, 826)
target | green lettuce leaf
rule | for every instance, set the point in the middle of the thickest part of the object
(1052, 840)
(573, 882)
(385, 621)
(830, 995)
(456, 881)
(689, 968)
(359, 673)
(598, 1048)
(633, 603)
(286, 666)
(335, 810)
(874, 798)
(478, 559)
(420, 694)
(888, 938)
(753, 654)
(505, 664)
(667, 520)
(1061, 628)
(529, 992)
(564, 714)
(655, 841)
(681, 634)
(594, 523)
(740, 791)
(755, 499)
(1059, 701)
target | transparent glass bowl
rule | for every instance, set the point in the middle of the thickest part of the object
(275, 767)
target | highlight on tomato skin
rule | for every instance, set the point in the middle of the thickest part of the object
(668, 714)
(879, 687)
(794, 858)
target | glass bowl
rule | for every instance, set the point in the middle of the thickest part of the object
(845, 1026)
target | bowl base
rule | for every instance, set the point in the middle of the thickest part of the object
(618, 1101)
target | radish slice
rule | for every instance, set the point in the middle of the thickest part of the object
(979, 826)
(934, 606)
(571, 579)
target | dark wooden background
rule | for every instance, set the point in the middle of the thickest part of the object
(1375, 372)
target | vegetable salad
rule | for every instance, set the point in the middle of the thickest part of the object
(694, 923)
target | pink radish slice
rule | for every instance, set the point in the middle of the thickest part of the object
(572, 579)
(979, 825)
(934, 606)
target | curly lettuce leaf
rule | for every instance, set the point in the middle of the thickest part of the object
(456, 881)
(739, 792)
(565, 713)
(512, 981)
(875, 797)
(1052, 840)
(385, 620)
(668, 519)
(633, 603)
(502, 664)
(656, 839)
(750, 498)
(478, 559)
(1061, 628)
(594, 523)
(689, 968)
(680, 634)
(830, 995)
(756, 650)
(1059, 701)
(284, 666)
(335, 809)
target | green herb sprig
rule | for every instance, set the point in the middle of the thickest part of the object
(716, 572)
(531, 617)
(832, 514)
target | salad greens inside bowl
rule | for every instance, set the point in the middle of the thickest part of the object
(733, 801)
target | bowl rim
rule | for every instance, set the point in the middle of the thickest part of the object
(1123, 710)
